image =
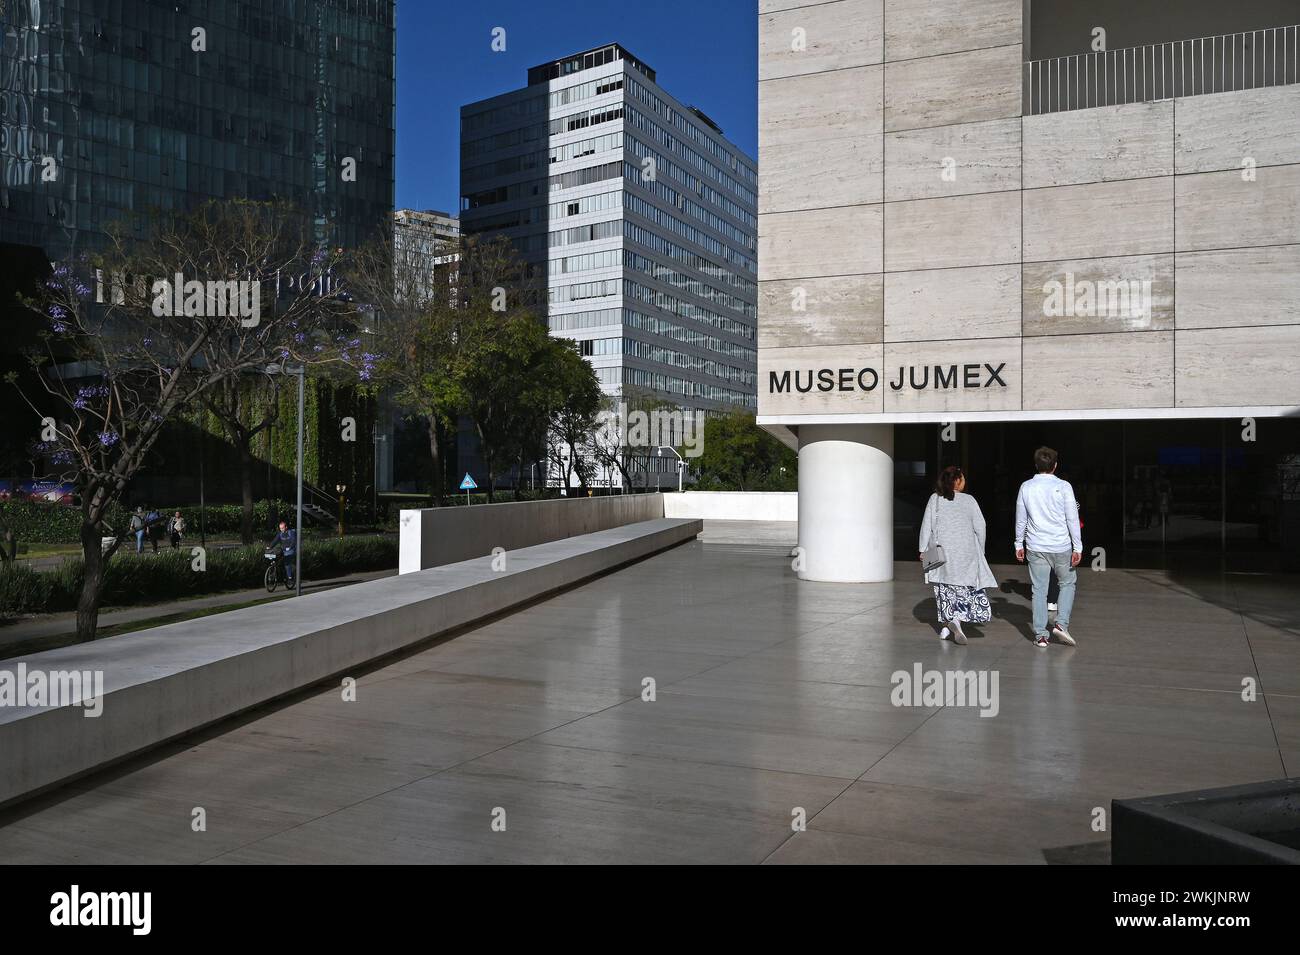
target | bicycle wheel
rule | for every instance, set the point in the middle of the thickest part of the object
(269, 578)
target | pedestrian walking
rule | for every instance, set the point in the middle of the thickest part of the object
(1048, 536)
(952, 552)
(176, 529)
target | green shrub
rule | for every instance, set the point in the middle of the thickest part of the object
(349, 555)
(130, 580)
(221, 520)
(23, 590)
(43, 523)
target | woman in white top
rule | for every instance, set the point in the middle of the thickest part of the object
(953, 520)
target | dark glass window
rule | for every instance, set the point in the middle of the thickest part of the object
(139, 118)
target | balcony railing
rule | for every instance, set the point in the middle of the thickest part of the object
(1142, 74)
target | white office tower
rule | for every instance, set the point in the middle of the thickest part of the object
(643, 218)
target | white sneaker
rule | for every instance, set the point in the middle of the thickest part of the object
(958, 637)
(1051, 608)
(945, 633)
(1062, 634)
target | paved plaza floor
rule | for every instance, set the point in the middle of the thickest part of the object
(528, 739)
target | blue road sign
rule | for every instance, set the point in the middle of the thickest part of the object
(467, 483)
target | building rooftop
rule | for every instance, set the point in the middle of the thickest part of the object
(585, 61)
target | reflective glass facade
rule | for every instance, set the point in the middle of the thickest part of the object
(144, 105)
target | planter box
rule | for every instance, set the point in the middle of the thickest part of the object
(1255, 824)
(436, 536)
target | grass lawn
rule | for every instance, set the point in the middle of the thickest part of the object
(29, 551)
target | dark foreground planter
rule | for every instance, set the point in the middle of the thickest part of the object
(1255, 824)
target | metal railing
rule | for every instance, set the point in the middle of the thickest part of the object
(1142, 74)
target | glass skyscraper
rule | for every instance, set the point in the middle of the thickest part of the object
(111, 108)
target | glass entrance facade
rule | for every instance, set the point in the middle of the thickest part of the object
(1222, 493)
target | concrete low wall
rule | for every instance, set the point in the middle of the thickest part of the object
(734, 505)
(434, 536)
(163, 683)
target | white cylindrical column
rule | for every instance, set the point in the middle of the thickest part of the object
(846, 502)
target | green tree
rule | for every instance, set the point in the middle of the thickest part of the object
(514, 384)
(738, 455)
(120, 363)
(245, 407)
(434, 305)
(574, 422)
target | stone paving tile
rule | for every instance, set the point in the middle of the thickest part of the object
(772, 696)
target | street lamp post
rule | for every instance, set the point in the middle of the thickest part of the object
(681, 464)
(203, 513)
(374, 506)
(301, 372)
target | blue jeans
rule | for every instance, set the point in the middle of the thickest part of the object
(288, 566)
(1041, 566)
(139, 541)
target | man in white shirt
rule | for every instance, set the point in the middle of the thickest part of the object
(1047, 532)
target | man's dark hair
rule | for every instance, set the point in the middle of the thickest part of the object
(1044, 460)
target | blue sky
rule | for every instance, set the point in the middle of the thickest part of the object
(704, 52)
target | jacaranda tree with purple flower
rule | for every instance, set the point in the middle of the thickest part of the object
(154, 329)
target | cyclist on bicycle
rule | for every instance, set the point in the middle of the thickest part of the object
(287, 541)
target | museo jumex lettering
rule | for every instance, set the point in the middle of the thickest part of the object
(915, 377)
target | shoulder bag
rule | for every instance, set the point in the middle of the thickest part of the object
(934, 556)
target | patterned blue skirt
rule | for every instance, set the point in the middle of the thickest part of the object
(967, 604)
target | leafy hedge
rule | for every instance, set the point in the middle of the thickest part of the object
(222, 519)
(43, 523)
(157, 578)
(35, 523)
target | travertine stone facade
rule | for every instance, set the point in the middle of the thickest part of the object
(920, 235)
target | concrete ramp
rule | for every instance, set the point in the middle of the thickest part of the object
(166, 682)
